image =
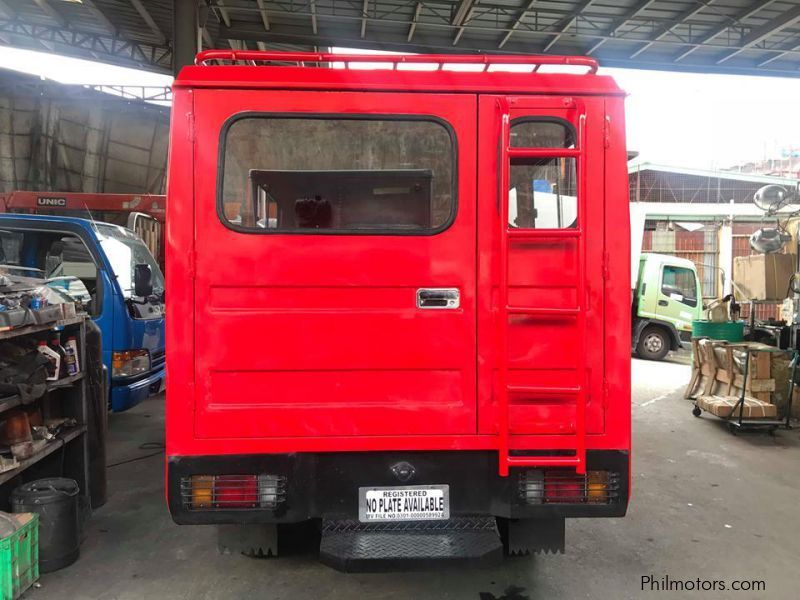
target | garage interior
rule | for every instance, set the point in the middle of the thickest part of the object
(705, 503)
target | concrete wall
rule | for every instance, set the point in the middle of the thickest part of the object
(68, 138)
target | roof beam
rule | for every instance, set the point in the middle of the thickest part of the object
(148, 19)
(9, 13)
(100, 15)
(105, 47)
(616, 24)
(517, 22)
(364, 15)
(463, 12)
(413, 27)
(51, 12)
(6, 11)
(223, 12)
(462, 16)
(747, 12)
(264, 17)
(341, 31)
(787, 19)
(566, 23)
(665, 29)
(780, 54)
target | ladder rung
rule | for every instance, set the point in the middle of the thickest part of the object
(542, 312)
(543, 153)
(538, 234)
(543, 461)
(543, 391)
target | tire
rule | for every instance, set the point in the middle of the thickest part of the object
(654, 343)
(696, 411)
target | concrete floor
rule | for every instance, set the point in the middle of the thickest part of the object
(705, 504)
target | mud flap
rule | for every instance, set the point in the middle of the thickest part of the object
(255, 541)
(535, 536)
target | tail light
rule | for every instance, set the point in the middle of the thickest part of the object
(560, 486)
(232, 492)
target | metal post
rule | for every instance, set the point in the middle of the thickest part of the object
(184, 33)
(744, 386)
(795, 359)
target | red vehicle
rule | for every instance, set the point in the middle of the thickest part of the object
(398, 303)
(142, 213)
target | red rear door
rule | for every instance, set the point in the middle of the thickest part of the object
(555, 352)
(335, 287)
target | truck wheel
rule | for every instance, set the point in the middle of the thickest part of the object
(653, 344)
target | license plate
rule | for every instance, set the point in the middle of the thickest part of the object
(404, 503)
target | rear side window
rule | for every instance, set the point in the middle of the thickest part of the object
(543, 192)
(318, 175)
(530, 133)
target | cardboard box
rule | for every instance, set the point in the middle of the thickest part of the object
(762, 276)
(722, 406)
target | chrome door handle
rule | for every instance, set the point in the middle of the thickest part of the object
(438, 298)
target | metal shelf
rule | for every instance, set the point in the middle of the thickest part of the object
(64, 382)
(28, 329)
(10, 402)
(61, 440)
(75, 463)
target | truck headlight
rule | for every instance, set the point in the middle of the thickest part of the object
(129, 363)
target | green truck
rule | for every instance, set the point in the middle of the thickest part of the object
(667, 297)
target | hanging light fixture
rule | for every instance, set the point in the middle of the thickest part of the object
(769, 239)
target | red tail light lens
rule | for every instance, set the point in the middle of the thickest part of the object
(236, 491)
(563, 487)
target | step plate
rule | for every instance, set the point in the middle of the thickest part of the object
(352, 546)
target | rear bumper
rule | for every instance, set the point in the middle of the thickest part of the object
(325, 485)
(128, 394)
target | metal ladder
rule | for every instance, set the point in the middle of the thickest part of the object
(504, 310)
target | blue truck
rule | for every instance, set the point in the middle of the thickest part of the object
(112, 273)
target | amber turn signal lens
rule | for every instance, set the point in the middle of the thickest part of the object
(597, 486)
(202, 491)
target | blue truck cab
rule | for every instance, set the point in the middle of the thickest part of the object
(110, 270)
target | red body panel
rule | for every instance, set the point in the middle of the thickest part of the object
(301, 343)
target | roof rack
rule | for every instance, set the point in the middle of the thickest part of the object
(253, 57)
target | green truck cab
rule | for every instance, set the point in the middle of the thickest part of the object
(667, 297)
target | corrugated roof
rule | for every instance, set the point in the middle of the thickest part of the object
(728, 36)
(713, 174)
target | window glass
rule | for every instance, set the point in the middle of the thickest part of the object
(679, 284)
(543, 193)
(125, 250)
(542, 134)
(328, 175)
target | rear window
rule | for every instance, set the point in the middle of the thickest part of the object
(543, 192)
(319, 175)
